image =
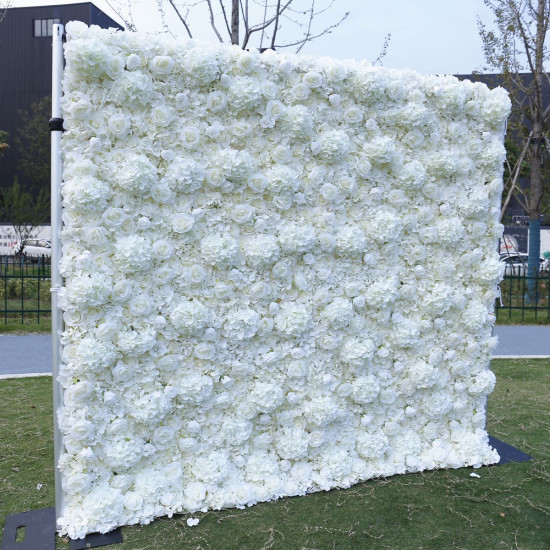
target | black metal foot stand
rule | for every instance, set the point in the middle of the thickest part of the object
(507, 452)
(36, 530)
(97, 539)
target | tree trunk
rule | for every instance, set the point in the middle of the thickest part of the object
(235, 22)
(538, 148)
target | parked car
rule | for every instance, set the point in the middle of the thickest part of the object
(36, 248)
(516, 264)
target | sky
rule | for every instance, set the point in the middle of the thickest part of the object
(429, 36)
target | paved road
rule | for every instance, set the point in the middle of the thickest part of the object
(32, 353)
(523, 340)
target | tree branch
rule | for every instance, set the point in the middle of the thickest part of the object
(181, 18)
(212, 21)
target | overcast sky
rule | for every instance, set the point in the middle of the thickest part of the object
(430, 36)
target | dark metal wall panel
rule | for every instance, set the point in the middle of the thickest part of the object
(102, 19)
(26, 66)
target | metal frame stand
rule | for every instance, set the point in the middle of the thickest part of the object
(507, 452)
(97, 539)
(39, 534)
(56, 127)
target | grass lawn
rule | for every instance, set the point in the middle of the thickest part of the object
(30, 326)
(507, 508)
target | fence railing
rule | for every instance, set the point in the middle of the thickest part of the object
(25, 293)
(25, 289)
(524, 299)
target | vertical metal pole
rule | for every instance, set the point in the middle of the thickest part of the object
(57, 317)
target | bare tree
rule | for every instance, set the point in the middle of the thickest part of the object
(274, 24)
(4, 5)
(517, 49)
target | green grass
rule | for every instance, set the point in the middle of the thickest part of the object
(507, 508)
(527, 317)
(30, 326)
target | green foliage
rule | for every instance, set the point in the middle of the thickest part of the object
(507, 507)
(33, 142)
(513, 152)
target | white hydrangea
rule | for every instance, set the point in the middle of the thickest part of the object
(137, 174)
(296, 238)
(241, 324)
(293, 319)
(133, 253)
(260, 250)
(190, 316)
(184, 174)
(219, 249)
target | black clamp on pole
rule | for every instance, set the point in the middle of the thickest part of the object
(56, 125)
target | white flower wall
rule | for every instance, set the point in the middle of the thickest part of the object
(280, 275)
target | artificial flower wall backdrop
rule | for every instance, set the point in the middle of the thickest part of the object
(280, 275)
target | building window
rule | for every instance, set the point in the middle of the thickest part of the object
(44, 27)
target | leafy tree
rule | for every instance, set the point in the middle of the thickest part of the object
(516, 48)
(27, 206)
(33, 143)
(24, 211)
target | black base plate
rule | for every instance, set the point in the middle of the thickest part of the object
(39, 530)
(507, 452)
(97, 539)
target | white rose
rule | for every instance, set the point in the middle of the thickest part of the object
(182, 100)
(363, 166)
(121, 291)
(216, 101)
(242, 213)
(162, 64)
(162, 249)
(246, 62)
(76, 484)
(119, 124)
(190, 137)
(163, 436)
(140, 305)
(182, 223)
(114, 217)
(133, 501)
(274, 109)
(161, 116)
(81, 430)
(353, 115)
(301, 91)
(312, 79)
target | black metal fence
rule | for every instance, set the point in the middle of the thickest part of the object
(25, 289)
(25, 293)
(524, 299)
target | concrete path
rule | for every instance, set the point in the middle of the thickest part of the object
(522, 341)
(32, 354)
(25, 354)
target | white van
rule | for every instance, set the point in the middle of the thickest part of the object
(36, 248)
